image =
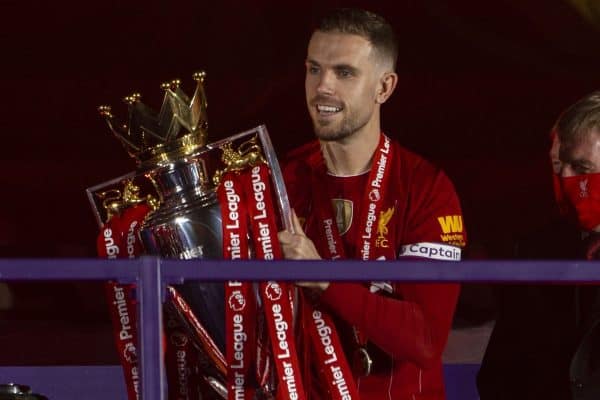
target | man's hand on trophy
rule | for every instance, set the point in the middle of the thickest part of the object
(296, 245)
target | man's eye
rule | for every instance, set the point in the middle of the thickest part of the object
(313, 70)
(581, 169)
(344, 73)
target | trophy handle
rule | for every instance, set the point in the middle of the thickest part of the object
(283, 202)
(91, 195)
(282, 198)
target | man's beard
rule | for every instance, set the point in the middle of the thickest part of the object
(348, 127)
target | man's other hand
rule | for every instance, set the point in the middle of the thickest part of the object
(316, 286)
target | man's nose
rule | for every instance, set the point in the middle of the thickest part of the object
(566, 170)
(326, 83)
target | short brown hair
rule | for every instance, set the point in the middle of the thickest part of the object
(580, 119)
(366, 24)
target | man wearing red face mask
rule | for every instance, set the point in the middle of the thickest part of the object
(578, 131)
(541, 343)
(579, 135)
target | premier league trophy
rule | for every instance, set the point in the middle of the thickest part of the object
(190, 199)
(183, 198)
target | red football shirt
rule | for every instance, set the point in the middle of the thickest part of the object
(406, 329)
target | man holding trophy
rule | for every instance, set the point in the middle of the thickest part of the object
(371, 199)
(358, 194)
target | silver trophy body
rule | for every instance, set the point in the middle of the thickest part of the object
(187, 226)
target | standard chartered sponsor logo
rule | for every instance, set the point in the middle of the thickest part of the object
(434, 251)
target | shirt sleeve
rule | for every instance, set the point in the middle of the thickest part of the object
(434, 217)
(413, 328)
(412, 325)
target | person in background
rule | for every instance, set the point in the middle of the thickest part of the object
(537, 347)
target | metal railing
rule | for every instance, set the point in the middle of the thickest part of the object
(152, 274)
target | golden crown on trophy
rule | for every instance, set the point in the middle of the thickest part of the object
(176, 131)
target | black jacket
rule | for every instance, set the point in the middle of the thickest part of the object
(539, 328)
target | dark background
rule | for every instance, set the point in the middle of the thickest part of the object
(481, 83)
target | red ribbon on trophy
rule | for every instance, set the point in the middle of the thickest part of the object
(331, 362)
(119, 238)
(240, 303)
(181, 358)
(247, 207)
(249, 192)
(276, 296)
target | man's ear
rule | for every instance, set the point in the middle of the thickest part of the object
(387, 84)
